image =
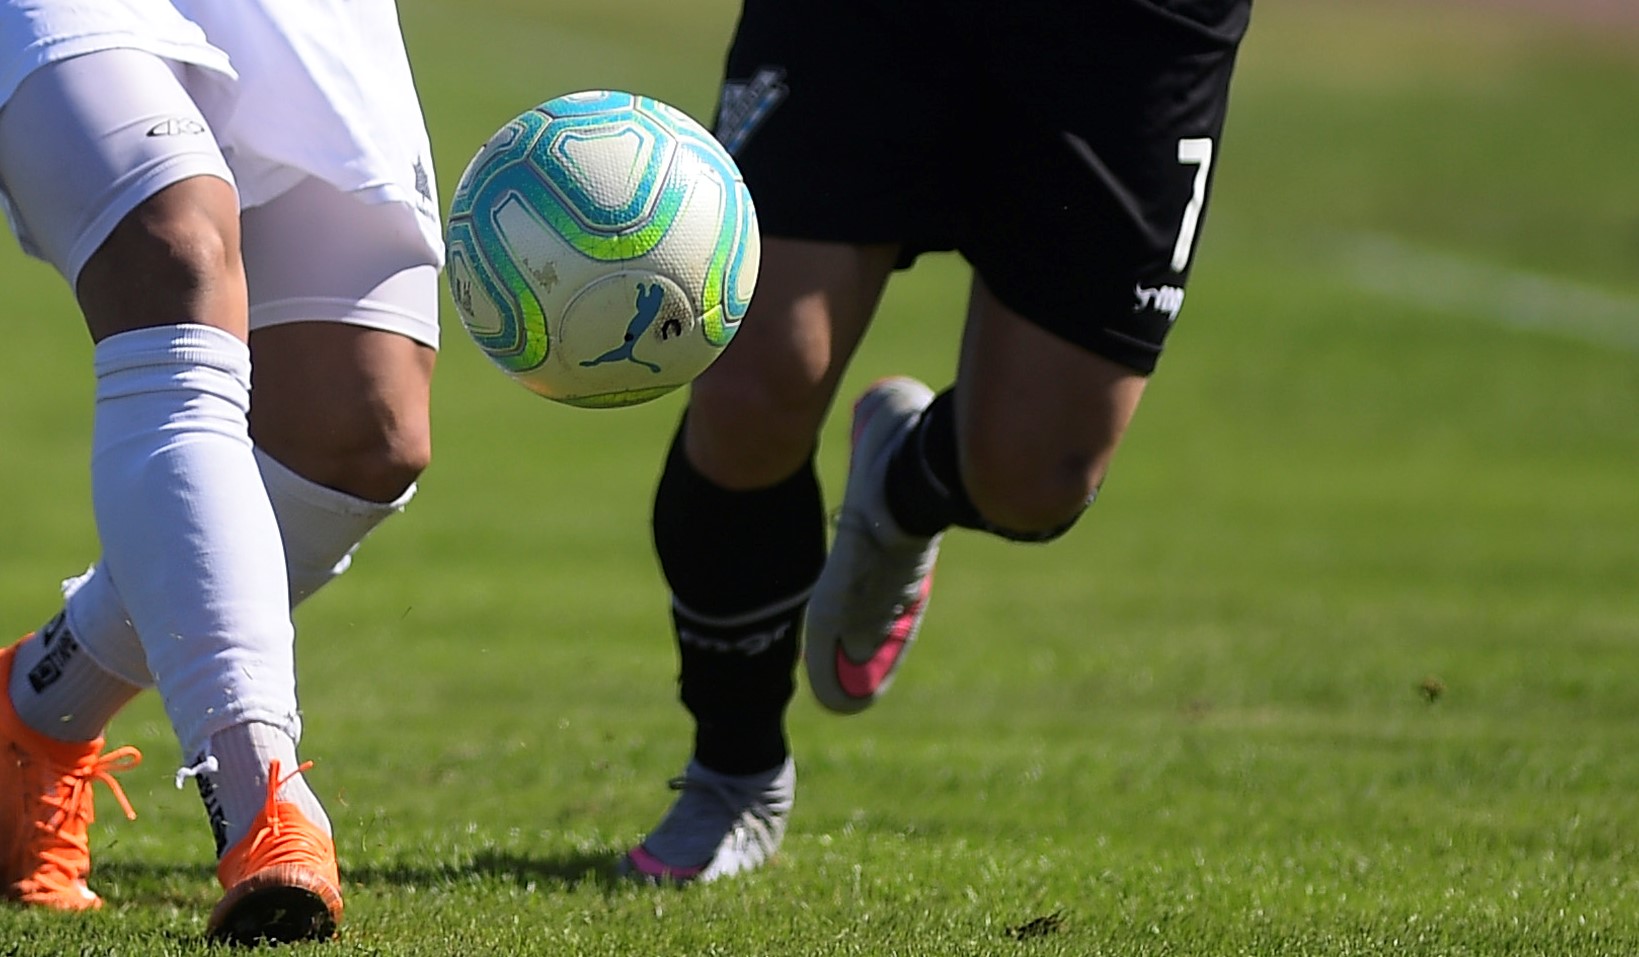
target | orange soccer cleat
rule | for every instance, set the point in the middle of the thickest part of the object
(46, 807)
(281, 878)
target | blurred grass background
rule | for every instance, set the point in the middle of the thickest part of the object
(1343, 661)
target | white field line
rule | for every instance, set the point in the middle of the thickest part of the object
(1444, 282)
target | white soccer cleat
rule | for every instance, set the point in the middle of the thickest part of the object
(719, 826)
(873, 591)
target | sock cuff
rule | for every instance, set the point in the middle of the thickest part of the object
(125, 362)
(767, 613)
(284, 483)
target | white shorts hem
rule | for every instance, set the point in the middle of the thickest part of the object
(368, 315)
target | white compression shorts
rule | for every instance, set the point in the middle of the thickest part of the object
(306, 106)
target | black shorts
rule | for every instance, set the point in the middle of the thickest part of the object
(1063, 147)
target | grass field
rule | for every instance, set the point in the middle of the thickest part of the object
(1345, 661)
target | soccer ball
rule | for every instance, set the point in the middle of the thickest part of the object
(602, 249)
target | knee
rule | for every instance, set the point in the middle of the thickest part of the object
(379, 462)
(393, 462)
(367, 457)
(777, 392)
(1027, 500)
(188, 249)
(170, 260)
(748, 428)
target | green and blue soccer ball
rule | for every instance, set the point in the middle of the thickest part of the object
(602, 249)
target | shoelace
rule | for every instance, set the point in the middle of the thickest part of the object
(63, 840)
(268, 833)
(736, 800)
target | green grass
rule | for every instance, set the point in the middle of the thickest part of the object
(1203, 724)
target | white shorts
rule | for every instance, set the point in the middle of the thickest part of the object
(286, 91)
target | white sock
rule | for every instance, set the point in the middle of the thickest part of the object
(96, 615)
(60, 690)
(321, 529)
(321, 526)
(189, 539)
(233, 780)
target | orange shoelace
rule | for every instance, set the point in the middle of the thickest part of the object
(62, 839)
(264, 848)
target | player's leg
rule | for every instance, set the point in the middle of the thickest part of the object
(342, 243)
(1017, 449)
(739, 522)
(146, 229)
(344, 302)
(345, 330)
(370, 387)
(739, 528)
(364, 133)
(343, 315)
(367, 384)
(1036, 420)
(1061, 336)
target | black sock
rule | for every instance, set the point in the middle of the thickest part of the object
(740, 566)
(924, 493)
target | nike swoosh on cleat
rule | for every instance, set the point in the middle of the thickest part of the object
(861, 679)
(654, 868)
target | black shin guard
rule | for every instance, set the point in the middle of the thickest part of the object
(740, 566)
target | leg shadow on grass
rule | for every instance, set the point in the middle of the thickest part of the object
(149, 883)
(186, 886)
(564, 871)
